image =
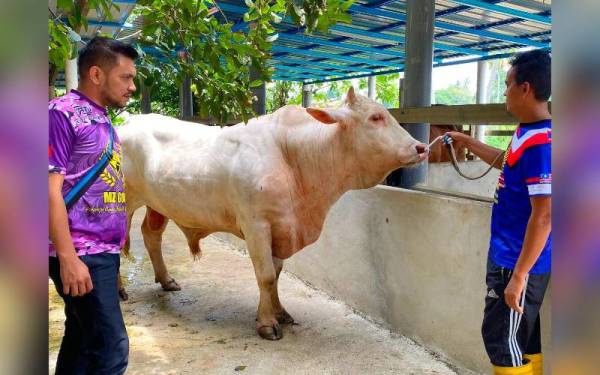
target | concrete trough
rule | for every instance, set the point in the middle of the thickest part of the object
(412, 261)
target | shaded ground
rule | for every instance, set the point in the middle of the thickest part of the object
(208, 326)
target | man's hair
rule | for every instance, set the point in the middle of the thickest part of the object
(534, 67)
(102, 52)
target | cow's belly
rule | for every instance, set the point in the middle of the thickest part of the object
(201, 207)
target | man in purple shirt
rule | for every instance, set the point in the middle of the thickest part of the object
(86, 239)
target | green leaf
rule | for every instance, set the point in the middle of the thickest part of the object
(65, 5)
(239, 37)
(256, 83)
(73, 51)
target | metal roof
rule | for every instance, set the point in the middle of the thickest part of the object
(465, 31)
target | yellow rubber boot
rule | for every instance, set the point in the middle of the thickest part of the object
(526, 369)
(537, 362)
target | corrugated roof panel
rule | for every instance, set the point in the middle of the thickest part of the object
(461, 30)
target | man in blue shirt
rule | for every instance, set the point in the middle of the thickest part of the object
(519, 257)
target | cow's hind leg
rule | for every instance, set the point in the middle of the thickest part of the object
(282, 316)
(152, 229)
(258, 239)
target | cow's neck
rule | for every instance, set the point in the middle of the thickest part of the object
(325, 166)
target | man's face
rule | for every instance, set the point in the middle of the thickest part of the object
(117, 85)
(513, 92)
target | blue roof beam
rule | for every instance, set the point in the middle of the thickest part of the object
(358, 33)
(110, 24)
(301, 69)
(333, 56)
(506, 11)
(295, 76)
(448, 26)
(353, 47)
(286, 78)
(343, 68)
(401, 69)
(324, 42)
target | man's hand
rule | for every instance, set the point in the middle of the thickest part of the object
(487, 153)
(513, 292)
(75, 276)
(458, 136)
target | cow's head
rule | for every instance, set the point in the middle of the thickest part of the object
(375, 137)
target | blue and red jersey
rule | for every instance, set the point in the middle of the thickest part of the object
(526, 172)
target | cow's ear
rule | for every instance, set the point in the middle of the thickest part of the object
(351, 96)
(326, 116)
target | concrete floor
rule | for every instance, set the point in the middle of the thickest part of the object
(208, 326)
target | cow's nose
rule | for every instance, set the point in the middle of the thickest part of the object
(421, 148)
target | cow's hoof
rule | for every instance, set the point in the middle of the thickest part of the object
(284, 318)
(273, 332)
(171, 285)
(123, 294)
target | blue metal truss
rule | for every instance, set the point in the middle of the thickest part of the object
(374, 43)
(325, 42)
(303, 69)
(506, 11)
(448, 26)
(342, 68)
(333, 56)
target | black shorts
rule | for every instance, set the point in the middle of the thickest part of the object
(508, 335)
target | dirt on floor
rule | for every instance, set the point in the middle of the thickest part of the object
(209, 326)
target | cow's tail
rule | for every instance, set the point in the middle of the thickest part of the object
(127, 245)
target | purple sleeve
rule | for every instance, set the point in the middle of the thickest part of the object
(60, 142)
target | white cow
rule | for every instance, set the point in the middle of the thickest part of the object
(270, 182)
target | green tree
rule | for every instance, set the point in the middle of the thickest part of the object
(186, 40)
(182, 38)
(455, 94)
(387, 89)
(63, 35)
(281, 93)
(498, 69)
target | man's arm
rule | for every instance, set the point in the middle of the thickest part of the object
(536, 235)
(74, 273)
(483, 151)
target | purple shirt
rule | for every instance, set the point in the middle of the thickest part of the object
(79, 134)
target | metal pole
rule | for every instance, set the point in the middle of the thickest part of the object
(372, 88)
(307, 95)
(260, 105)
(71, 78)
(417, 77)
(400, 91)
(146, 102)
(482, 94)
(186, 99)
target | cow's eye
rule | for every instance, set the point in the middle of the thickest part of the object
(376, 117)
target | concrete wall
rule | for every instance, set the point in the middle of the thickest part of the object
(443, 176)
(413, 261)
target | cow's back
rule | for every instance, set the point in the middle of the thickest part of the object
(195, 174)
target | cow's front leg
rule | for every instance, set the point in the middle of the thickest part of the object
(259, 245)
(282, 316)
